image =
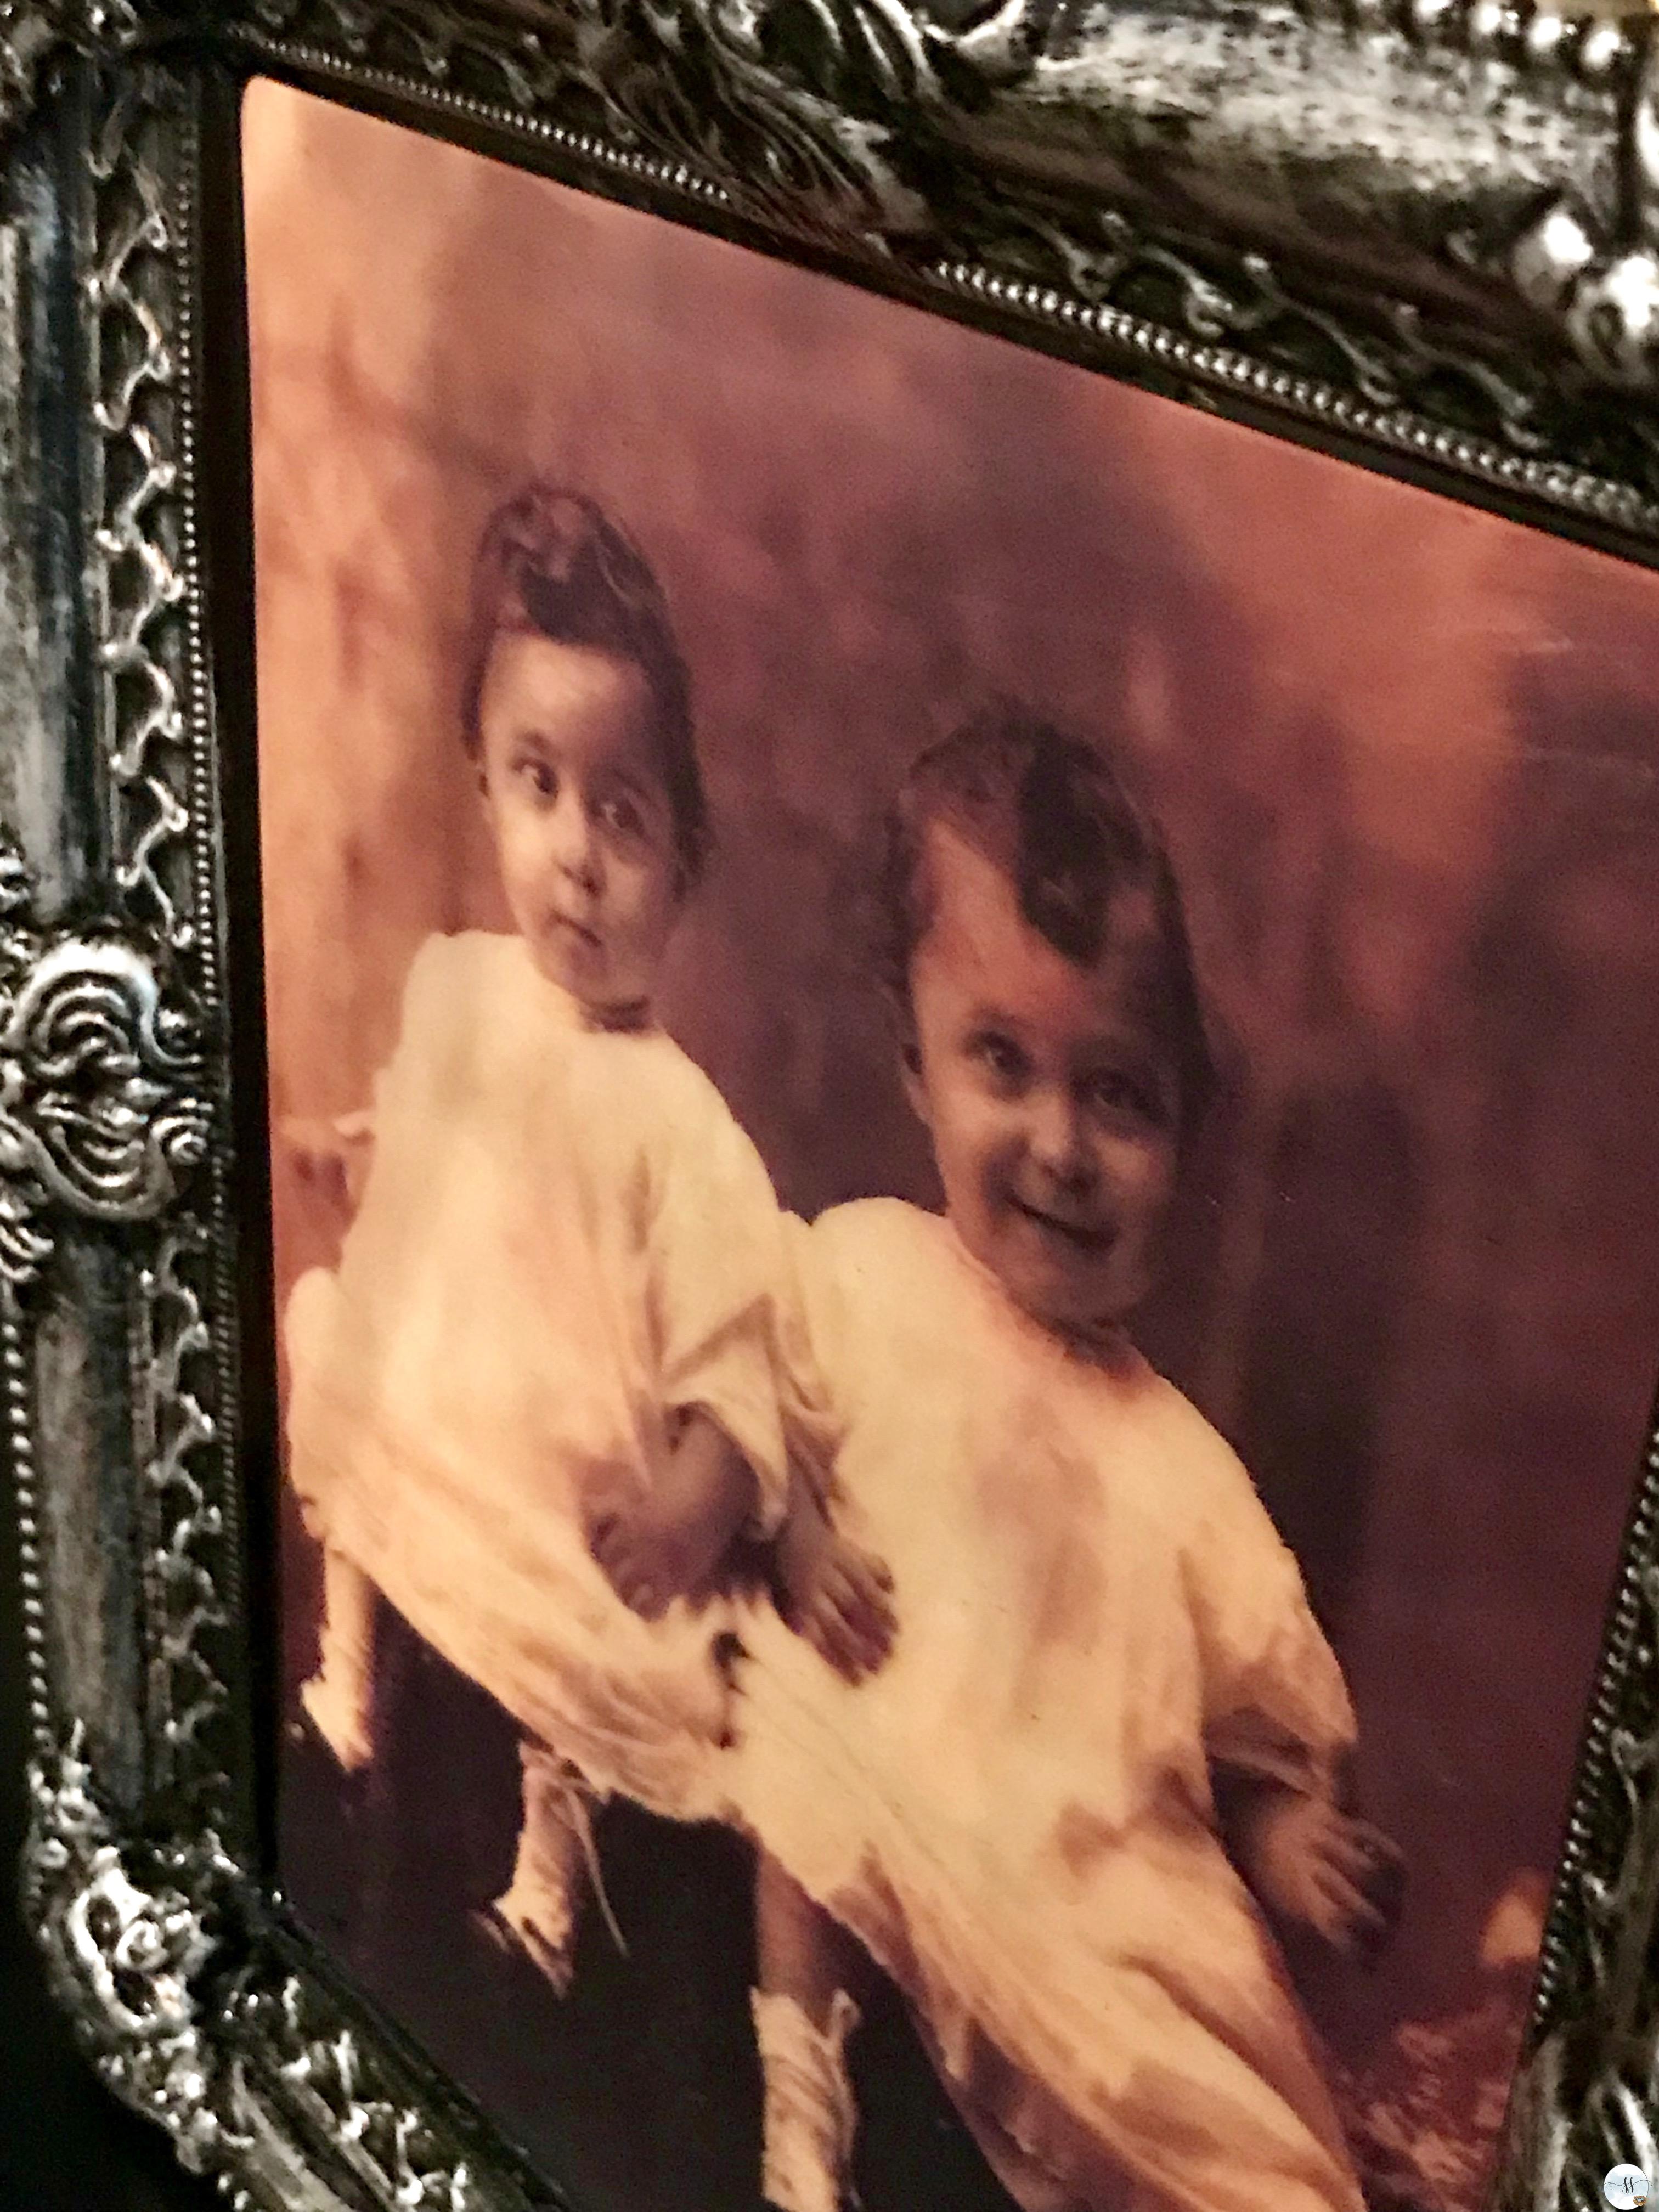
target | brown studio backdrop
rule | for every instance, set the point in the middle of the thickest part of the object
(1404, 754)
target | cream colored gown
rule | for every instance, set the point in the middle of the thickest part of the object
(564, 1238)
(1015, 1815)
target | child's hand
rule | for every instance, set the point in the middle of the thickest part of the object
(655, 1549)
(671, 1542)
(832, 1593)
(332, 1159)
(1318, 1868)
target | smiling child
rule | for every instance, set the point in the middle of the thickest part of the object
(1100, 1638)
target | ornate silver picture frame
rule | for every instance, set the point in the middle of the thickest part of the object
(1418, 240)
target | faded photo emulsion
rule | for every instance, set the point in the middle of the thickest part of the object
(961, 1071)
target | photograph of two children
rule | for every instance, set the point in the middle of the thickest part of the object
(961, 1071)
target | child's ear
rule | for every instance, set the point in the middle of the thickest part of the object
(910, 1075)
(903, 1020)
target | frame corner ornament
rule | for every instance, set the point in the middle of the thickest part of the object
(1598, 282)
(128, 1932)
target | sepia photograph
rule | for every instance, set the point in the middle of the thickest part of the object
(960, 1074)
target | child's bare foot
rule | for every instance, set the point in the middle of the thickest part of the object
(670, 1543)
(509, 1928)
(341, 1719)
(835, 1595)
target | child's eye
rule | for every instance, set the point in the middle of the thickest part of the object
(622, 816)
(1116, 1096)
(540, 775)
(1003, 1059)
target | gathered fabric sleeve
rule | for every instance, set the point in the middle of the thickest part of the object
(348, 1139)
(447, 976)
(719, 1283)
(438, 980)
(1276, 1706)
(343, 1145)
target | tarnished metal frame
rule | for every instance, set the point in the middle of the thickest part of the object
(1425, 231)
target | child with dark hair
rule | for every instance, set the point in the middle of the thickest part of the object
(1108, 1744)
(547, 1388)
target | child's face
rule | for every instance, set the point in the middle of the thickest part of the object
(1052, 1108)
(583, 830)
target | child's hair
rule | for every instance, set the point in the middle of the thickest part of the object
(552, 563)
(1048, 810)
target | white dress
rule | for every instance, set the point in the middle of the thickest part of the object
(1015, 1815)
(563, 1239)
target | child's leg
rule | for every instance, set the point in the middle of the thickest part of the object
(803, 2017)
(339, 1698)
(540, 1905)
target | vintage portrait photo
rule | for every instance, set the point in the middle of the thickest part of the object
(962, 1072)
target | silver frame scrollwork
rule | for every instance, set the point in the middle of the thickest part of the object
(1429, 237)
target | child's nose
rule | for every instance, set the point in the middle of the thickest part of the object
(1059, 1141)
(575, 848)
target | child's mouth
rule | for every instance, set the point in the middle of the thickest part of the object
(565, 925)
(1092, 1239)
